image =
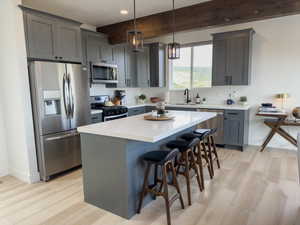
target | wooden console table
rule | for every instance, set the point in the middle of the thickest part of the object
(276, 124)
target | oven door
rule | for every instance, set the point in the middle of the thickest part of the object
(108, 118)
(104, 73)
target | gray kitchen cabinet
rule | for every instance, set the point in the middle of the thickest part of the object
(69, 44)
(150, 108)
(50, 37)
(40, 35)
(119, 59)
(180, 108)
(143, 70)
(131, 68)
(236, 128)
(136, 111)
(157, 64)
(232, 58)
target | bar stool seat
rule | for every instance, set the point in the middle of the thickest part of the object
(156, 156)
(210, 142)
(182, 145)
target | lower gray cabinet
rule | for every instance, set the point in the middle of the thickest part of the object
(180, 108)
(136, 111)
(236, 126)
(150, 108)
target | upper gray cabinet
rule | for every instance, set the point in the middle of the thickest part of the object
(52, 38)
(119, 60)
(232, 52)
(69, 44)
(157, 65)
(143, 70)
(96, 47)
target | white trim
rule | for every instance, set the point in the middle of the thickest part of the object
(28, 178)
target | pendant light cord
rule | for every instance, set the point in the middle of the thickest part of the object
(173, 21)
(134, 15)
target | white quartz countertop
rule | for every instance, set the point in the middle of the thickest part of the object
(139, 129)
(198, 106)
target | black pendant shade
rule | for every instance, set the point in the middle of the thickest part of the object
(173, 48)
(135, 37)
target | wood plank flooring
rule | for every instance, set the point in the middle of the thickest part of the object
(252, 188)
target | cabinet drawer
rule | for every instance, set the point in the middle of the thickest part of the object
(234, 114)
(180, 108)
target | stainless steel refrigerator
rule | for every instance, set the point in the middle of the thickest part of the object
(60, 102)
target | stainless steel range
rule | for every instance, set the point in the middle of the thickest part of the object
(109, 112)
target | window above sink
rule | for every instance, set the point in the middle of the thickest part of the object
(194, 68)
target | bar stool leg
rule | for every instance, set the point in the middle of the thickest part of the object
(199, 162)
(211, 162)
(177, 185)
(207, 160)
(166, 193)
(187, 176)
(215, 151)
(145, 187)
(195, 167)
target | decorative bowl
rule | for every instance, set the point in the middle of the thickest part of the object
(296, 112)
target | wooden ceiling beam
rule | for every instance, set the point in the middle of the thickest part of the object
(205, 15)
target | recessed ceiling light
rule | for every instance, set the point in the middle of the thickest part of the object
(124, 12)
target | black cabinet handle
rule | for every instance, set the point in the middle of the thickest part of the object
(60, 57)
(56, 57)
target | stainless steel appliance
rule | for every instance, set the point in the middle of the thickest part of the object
(104, 73)
(60, 102)
(109, 112)
(217, 122)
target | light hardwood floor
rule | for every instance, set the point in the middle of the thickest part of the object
(252, 188)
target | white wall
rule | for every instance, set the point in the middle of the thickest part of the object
(3, 149)
(275, 69)
(16, 105)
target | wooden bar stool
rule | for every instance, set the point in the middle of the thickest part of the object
(201, 153)
(210, 143)
(187, 162)
(164, 160)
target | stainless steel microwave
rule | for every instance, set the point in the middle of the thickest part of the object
(104, 73)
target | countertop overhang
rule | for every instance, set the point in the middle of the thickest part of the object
(139, 129)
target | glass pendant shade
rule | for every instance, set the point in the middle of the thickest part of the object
(174, 50)
(135, 40)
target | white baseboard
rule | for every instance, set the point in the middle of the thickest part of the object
(28, 178)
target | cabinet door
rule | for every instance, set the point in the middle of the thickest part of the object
(106, 53)
(136, 111)
(233, 127)
(40, 37)
(143, 70)
(157, 65)
(131, 78)
(93, 49)
(119, 59)
(219, 62)
(69, 43)
(238, 59)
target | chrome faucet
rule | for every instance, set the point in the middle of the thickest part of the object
(187, 94)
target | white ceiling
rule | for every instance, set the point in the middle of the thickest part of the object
(104, 12)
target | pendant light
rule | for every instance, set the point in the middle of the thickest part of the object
(173, 48)
(135, 37)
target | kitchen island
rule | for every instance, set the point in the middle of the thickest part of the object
(111, 156)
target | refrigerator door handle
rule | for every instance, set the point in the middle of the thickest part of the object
(71, 97)
(66, 96)
(62, 137)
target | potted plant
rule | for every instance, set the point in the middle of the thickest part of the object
(244, 100)
(142, 99)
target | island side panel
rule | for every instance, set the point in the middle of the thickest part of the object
(104, 166)
(136, 168)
